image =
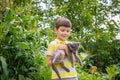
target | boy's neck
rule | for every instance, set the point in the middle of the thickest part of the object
(60, 39)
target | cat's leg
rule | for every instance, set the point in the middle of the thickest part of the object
(56, 57)
(55, 69)
(71, 58)
(62, 54)
(64, 67)
(78, 59)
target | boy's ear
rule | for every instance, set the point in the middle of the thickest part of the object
(55, 30)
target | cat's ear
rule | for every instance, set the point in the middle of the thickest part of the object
(78, 43)
(69, 46)
(74, 52)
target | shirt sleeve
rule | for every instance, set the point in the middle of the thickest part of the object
(50, 49)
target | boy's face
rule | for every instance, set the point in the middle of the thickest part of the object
(62, 33)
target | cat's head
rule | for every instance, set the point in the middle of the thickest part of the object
(73, 46)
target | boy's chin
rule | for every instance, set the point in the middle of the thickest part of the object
(63, 39)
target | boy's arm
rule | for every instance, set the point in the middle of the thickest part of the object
(49, 60)
(49, 54)
(63, 47)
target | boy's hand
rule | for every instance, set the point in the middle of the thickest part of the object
(62, 47)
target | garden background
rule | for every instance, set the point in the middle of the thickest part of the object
(26, 27)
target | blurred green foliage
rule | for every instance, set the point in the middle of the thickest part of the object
(26, 28)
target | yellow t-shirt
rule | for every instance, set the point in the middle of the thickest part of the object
(64, 74)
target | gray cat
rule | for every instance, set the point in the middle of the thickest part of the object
(72, 48)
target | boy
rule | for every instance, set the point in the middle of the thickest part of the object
(62, 29)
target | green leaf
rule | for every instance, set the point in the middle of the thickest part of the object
(4, 67)
(22, 45)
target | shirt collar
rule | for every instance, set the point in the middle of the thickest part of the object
(60, 42)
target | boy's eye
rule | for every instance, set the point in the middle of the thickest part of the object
(63, 30)
(68, 31)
